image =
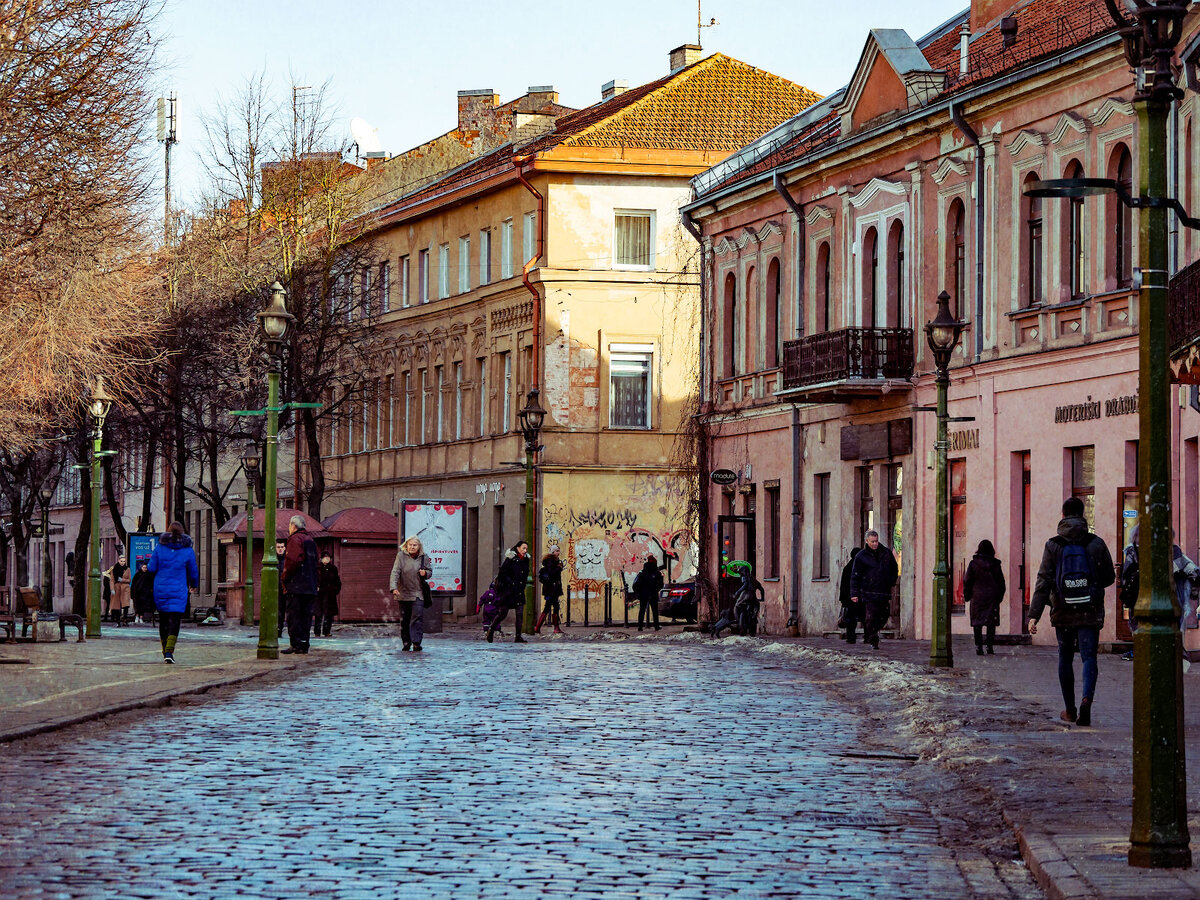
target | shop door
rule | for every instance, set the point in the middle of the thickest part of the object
(1024, 578)
(895, 530)
(1127, 519)
(735, 535)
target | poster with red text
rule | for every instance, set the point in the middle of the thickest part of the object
(441, 527)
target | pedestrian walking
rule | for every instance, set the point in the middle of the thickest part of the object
(409, 572)
(1184, 574)
(852, 613)
(299, 574)
(329, 585)
(510, 588)
(175, 570)
(280, 593)
(118, 602)
(983, 589)
(872, 577)
(646, 585)
(550, 577)
(1076, 568)
(142, 591)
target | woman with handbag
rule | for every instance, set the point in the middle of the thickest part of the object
(510, 588)
(408, 586)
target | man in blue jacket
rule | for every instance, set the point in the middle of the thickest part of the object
(300, 581)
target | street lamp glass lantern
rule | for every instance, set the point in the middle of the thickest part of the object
(275, 319)
(532, 415)
(943, 332)
(250, 460)
(101, 402)
(46, 492)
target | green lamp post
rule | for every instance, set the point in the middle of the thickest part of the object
(99, 408)
(942, 335)
(46, 494)
(250, 464)
(531, 416)
(274, 321)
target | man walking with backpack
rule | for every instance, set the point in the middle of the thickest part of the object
(1076, 568)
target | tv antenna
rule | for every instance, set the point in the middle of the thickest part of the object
(700, 24)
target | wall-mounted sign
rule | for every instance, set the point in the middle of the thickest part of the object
(441, 527)
(1094, 409)
(724, 476)
(881, 440)
(967, 439)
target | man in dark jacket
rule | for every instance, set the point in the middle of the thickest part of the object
(871, 579)
(300, 580)
(1077, 620)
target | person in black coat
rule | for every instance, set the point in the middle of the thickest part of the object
(329, 585)
(851, 612)
(646, 586)
(299, 575)
(550, 577)
(872, 577)
(510, 588)
(142, 591)
(983, 588)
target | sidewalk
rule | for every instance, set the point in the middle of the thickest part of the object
(46, 686)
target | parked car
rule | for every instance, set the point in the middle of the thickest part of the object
(678, 601)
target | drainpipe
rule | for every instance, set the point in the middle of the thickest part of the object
(519, 163)
(957, 118)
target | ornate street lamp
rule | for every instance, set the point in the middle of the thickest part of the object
(46, 494)
(531, 416)
(250, 463)
(99, 407)
(274, 321)
(942, 335)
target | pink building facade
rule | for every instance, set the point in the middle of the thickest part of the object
(825, 245)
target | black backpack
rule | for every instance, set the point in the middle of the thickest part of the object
(1075, 579)
(1129, 582)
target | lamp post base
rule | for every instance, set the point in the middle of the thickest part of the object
(268, 653)
(1160, 856)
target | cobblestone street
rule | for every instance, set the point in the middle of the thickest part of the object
(632, 769)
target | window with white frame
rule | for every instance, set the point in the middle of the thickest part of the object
(403, 273)
(385, 287)
(633, 238)
(364, 294)
(407, 401)
(367, 404)
(629, 373)
(485, 256)
(423, 276)
(528, 238)
(506, 406)
(387, 412)
(443, 271)
(441, 392)
(421, 384)
(458, 401)
(482, 388)
(506, 235)
(464, 264)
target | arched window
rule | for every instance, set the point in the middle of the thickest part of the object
(1073, 262)
(870, 277)
(772, 323)
(729, 320)
(823, 312)
(895, 275)
(1119, 264)
(748, 325)
(1032, 281)
(956, 256)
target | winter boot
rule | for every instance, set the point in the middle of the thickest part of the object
(557, 630)
(537, 629)
(518, 639)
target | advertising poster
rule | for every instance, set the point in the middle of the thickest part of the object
(140, 548)
(441, 527)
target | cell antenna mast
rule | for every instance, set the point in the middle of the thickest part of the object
(700, 24)
(168, 111)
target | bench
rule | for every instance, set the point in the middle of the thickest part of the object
(31, 600)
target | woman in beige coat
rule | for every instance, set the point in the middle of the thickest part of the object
(411, 567)
(119, 603)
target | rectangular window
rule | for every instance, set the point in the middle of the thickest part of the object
(528, 238)
(387, 435)
(485, 256)
(821, 526)
(407, 399)
(348, 404)
(464, 264)
(866, 501)
(423, 277)
(1083, 480)
(506, 406)
(633, 233)
(960, 552)
(772, 523)
(367, 430)
(443, 271)
(483, 397)
(506, 240)
(423, 387)
(458, 401)
(385, 288)
(439, 406)
(629, 372)
(1034, 227)
(364, 294)
(403, 273)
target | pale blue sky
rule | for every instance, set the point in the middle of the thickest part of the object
(400, 63)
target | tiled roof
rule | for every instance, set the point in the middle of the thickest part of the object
(718, 103)
(237, 525)
(363, 520)
(1044, 28)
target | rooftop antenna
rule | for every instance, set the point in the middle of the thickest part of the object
(366, 138)
(168, 111)
(700, 23)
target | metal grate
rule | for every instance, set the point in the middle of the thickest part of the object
(867, 353)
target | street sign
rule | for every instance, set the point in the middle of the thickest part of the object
(724, 476)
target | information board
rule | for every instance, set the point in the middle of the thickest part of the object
(441, 527)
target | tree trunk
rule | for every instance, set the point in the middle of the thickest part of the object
(82, 542)
(316, 464)
(146, 520)
(110, 497)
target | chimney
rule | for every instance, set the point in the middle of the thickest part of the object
(614, 87)
(964, 43)
(542, 94)
(375, 158)
(476, 108)
(985, 12)
(1008, 29)
(684, 55)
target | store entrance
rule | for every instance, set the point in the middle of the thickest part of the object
(735, 536)
(1127, 519)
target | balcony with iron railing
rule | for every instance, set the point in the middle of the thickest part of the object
(848, 363)
(1183, 324)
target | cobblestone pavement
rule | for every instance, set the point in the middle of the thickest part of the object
(639, 769)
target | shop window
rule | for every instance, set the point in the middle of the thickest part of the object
(960, 552)
(895, 512)
(821, 526)
(1083, 480)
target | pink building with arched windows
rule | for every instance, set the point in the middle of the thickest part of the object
(858, 212)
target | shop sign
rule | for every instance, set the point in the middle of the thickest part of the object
(723, 476)
(441, 527)
(1095, 409)
(964, 440)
